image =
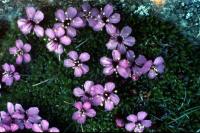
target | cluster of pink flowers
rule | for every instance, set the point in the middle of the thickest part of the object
(123, 63)
(16, 118)
(94, 95)
(134, 123)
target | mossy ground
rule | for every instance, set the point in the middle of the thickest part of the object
(171, 100)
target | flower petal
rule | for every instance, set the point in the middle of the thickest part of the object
(45, 125)
(78, 92)
(21, 22)
(115, 18)
(109, 105)
(78, 72)
(10, 108)
(108, 10)
(26, 58)
(132, 118)
(87, 106)
(14, 127)
(130, 55)
(109, 86)
(159, 60)
(50, 33)
(115, 99)
(130, 127)
(69, 63)
(96, 25)
(71, 31)
(6, 67)
(91, 113)
(97, 100)
(30, 12)
(60, 15)
(119, 122)
(39, 31)
(86, 7)
(147, 66)
(105, 61)
(87, 85)
(108, 70)
(111, 29)
(59, 31)
(37, 128)
(126, 31)
(78, 105)
(33, 111)
(54, 130)
(71, 12)
(27, 47)
(146, 123)
(59, 50)
(26, 29)
(39, 16)
(13, 50)
(124, 63)
(140, 60)
(112, 44)
(19, 59)
(116, 55)
(141, 115)
(152, 74)
(125, 73)
(121, 48)
(160, 68)
(65, 40)
(129, 41)
(77, 22)
(73, 55)
(84, 57)
(16, 76)
(85, 68)
(19, 44)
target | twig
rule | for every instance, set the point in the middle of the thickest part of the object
(41, 82)
(81, 44)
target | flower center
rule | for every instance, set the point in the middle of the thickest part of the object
(119, 39)
(139, 128)
(20, 52)
(105, 19)
(106, 95)
(7, 73)
(77, 63)
(67, 22)
(87, 15)
(154, 69)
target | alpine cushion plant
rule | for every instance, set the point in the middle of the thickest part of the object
(34, 17)
(15, 119)
(91, 95)
(84, 110)
(21, 51)
(69, 20)
(77, 62)
(137, 123)
(56, 39)
(120, 39)
(9, 75)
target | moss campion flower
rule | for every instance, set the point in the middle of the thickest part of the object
(157, 67)
(120, 39)
(21, 51)
(56, 40)
(107, 96)
(69, 20)
(77, 62)
(137, 123)
(84, 110)
(106, 18)
(34, 17)
(117, 65)
(9, 74)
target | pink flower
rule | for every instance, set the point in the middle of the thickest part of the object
(69, 20)
(117, 65)
(34, 17)
(77, 62)
(84, 110)
(9, 74)
(56, 39)
(138, 123)
(21, 51)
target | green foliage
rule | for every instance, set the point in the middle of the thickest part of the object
(171, 99)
